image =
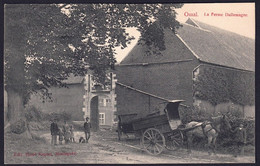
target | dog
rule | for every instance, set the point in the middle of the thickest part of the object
(82, 140)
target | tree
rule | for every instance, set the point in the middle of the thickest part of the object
(225, 85)
(45, 43)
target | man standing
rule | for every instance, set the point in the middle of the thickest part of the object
(240, 139)
(87, 127)
(54, 132)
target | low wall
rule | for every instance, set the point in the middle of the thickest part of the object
(205, 107)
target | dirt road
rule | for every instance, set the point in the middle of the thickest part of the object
(103, 148)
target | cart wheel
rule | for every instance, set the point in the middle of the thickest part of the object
(174, 141)
(153, 141)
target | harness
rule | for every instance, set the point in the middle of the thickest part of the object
(203, 125)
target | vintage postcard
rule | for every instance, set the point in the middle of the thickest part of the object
(129, 83)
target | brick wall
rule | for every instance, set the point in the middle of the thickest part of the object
(170, 81)
(129, 102)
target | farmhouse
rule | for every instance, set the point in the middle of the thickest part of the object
(213, 70)
(82, 98)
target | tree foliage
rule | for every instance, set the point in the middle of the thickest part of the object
(44, 44)
(218, 85)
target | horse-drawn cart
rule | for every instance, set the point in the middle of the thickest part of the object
(157, 131)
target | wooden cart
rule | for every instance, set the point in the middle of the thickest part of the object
(157, 131)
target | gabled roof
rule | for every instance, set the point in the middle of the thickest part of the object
(207, 43)
(214, 45)
(192, 22)
(173, 47)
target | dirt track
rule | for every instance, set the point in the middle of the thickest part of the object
(103, 147)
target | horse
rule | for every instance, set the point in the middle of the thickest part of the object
(209, 129)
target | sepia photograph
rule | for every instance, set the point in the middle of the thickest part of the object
(109, 83)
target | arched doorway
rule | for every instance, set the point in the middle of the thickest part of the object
(94, 114)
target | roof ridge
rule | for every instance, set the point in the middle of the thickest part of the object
(193, 21)
(187, 46)
(219, 28)
(197, 27)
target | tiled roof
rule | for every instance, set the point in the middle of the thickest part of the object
(207, 43)
(173, 47)
(218, 46)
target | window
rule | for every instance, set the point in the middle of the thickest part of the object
(108, 102)
(101, 118)
(104, 102)
(101, 102)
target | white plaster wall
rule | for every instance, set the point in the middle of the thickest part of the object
(235, 109)
(249, 111)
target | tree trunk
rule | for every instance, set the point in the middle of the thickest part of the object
(15, 39)
(16, 113)
(15, 106)
(5, 107)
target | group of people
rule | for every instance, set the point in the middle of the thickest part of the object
(66, 132)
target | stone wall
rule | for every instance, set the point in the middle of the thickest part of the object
(68, 100)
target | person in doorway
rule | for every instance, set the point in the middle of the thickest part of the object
(87, 127)
(240, 139)
(54, 132)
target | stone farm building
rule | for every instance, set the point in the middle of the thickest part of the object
(80, 99)
(211, 69)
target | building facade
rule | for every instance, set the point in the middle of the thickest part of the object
(83, 98)
(196, 47)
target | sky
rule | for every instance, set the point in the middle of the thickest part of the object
(241, 25)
